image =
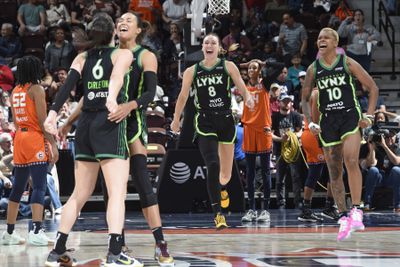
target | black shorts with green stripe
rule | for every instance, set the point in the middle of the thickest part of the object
(335, 126)
(220, 124)
(98, 138)
(136, 127)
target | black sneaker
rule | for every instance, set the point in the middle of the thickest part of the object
(121, 260)
(331, 213)
(308, 216)
(54, 259)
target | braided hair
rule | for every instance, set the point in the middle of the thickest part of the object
(29, 70)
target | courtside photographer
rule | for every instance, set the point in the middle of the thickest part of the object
(380, 161)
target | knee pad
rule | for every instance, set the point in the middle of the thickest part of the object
(142, 182)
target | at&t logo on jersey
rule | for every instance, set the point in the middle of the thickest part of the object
(92, 95)
(180, 172)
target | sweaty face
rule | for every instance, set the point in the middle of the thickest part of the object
(127, 27)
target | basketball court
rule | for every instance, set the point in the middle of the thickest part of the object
(193, 241)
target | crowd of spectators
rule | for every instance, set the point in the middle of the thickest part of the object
(270, 30)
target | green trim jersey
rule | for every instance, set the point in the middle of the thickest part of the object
(212, 87)
(136, 79)
(96, 74)
(335, 85)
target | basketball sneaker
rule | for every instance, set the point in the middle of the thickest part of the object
(13, 239)
(330, 213)
(224, 199)
(356, 219)
(308, 216)
(250, 216)
(264, 216)
(220, 222)
(344, 229)
(39, 239)
(65, 259)
(161, 254)
(121, 260)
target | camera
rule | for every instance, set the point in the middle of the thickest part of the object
(380, 130)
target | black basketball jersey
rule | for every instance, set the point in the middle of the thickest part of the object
(212, 87)
(136, 74)
(96, 74)
(336, 86)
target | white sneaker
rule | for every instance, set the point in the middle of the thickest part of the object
(250, 216)
(264, 216)
(58, 211)
(13, 239)
(39, 239)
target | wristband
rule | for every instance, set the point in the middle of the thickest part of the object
(368, 117)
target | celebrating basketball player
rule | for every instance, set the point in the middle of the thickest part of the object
(215, 129)
(99, 142)
(340, 122)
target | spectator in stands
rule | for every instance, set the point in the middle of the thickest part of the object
(295, 69)
(59, 53)
(286, 127)
(6, 78)
(57, 13)
(174, 11)
(380, 161)
(152, 40)
(5, 106)
(6, 147)
(172, 46)
(292, 39)
(32, 18)
(80, 14)
(149, 10)
(109, 7)
(274, 97)
(287, 85)
(361, 38)
(235, 38)
(10, 45)
(255, 26)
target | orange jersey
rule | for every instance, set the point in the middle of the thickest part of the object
(29, 143)
(255, 139)
(314, 153)
(259, 116)
(145, 8)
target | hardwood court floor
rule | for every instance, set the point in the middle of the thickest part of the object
(194, 242)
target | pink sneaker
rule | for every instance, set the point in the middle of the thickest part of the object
(356, 219)
(344, 229)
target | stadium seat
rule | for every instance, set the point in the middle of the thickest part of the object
(155, 155)
(155, 119)
(157, 135)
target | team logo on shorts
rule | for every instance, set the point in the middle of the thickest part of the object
(40, 155)
(91, 96)
(321, 157)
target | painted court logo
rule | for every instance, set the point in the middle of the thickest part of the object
(180, 172)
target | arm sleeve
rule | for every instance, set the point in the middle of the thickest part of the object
(66, 88)
(150, 85)
(270, 73)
